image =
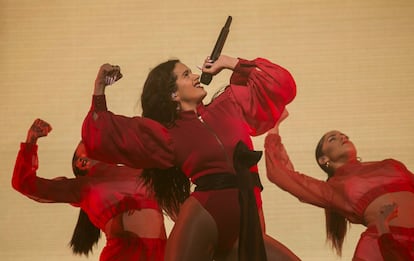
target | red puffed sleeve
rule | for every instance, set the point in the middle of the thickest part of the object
(262, 89)
(25, 181)
(134, 141)
(305, 188)
(403, 169)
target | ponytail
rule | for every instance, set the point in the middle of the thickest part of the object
(85, 235)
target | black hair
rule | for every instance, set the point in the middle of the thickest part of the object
(156, 100)
(86, 234)
(335, 224)
(170, 186)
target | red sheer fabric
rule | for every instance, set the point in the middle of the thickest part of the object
(352, 187)
(107, 191)
(200, 144)
(396, 246)
(135, 248)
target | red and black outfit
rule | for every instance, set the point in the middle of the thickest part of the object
(105, 192)
(201, 143)
(349, 192)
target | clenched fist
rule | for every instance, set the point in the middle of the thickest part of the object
(39, 128)
(108, 74)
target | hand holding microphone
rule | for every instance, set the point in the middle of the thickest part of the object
(207, 77)
(223, 62)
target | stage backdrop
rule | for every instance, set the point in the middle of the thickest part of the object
(353, 63)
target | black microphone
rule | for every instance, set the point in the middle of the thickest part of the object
(207, 77)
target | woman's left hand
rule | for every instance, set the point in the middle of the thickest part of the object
(223, 62)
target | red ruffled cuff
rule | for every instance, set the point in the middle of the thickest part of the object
(99, 103)
(28, 148)
(242, 71)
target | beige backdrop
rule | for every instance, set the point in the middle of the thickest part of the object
(353, 62)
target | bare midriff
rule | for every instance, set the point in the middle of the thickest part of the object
(144, 223)
(405, 203)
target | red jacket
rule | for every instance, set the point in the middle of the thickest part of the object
(202, 143)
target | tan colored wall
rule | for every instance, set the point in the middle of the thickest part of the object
(353, 62)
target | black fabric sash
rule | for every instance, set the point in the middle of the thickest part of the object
(223, 181)
(216, 182)
(251, 244)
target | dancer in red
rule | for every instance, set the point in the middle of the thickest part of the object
(113, 199)
(354, 192)
(179, 134)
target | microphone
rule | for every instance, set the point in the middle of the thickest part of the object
(207, 77)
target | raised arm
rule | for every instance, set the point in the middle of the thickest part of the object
(134, 141)
(278, 147)
(280, 171)
(24, 177)
(262, 89)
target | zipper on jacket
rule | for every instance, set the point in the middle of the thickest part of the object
(218, 140)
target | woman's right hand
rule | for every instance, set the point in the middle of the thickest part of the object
(282, 117)
(39, 128)
(107, 75)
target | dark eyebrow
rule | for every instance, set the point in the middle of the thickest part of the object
(186, 71)
(332, 135)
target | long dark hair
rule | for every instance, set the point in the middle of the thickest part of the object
(85, 235)
(156, 100)
(170, 186)
(336, 224)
